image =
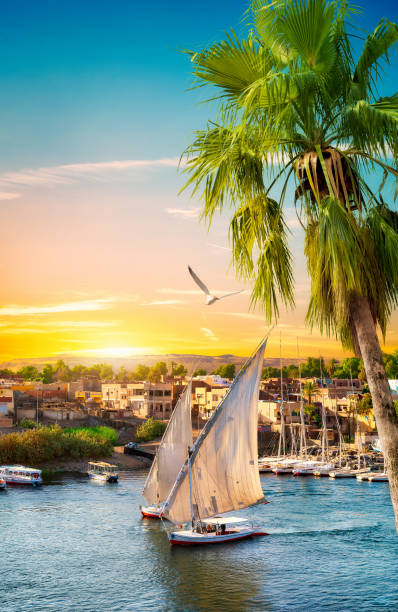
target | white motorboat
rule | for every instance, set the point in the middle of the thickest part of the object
(286, 466)
(221, 474)
(169, 458)
(216, 530)
(305, 468)
(20, 475)
(378, 477)
(323, 470)
(347, 473)
(100, 470)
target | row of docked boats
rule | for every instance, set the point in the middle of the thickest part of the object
(298, 467)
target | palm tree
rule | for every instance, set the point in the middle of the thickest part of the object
(297, 105)
(310, 389)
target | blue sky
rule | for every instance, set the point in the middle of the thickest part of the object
(95, 82)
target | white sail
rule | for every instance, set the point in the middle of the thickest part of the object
(224, 460)
(172, 452)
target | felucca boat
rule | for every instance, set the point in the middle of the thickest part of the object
(171, 455)
(221, 473)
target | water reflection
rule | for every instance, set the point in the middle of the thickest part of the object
(219, 577)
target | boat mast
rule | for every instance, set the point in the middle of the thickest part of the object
(282, 440)
(324, 430)
(303, 444)
(190, 484)
(358, 425)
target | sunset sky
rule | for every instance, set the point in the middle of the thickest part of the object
(95, 239)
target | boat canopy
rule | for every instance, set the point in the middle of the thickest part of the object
(224, 459)
(225, 520)
(172, 452)
(102, 466)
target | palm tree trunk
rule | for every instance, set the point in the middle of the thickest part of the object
(383, 405)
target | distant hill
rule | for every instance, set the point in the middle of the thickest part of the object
(191, 362)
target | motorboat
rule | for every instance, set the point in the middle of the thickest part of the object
(3, 484)
(286, 466)
(20, 475)
(305, 468)
(100, 470)
(378, 477)
(323, 470)
(347, 473)
(215, 530)
(220, 474)
(169, 458)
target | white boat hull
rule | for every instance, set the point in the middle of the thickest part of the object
(378, 477)
(104, 477)
(191, 538)
(151, 511)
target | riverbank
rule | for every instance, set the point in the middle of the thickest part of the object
(123, 462)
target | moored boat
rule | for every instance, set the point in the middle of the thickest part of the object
(3, 485)
(378, 477)
(221, 473)
(347, 473)
(20, 475)
(100, 470)
(216, 530)
(323, 470)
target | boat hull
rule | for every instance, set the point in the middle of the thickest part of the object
(190, 538)
(151, 512)
(104, 477)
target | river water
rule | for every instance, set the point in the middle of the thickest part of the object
(78, 545)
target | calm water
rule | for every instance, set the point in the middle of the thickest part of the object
(77, 545)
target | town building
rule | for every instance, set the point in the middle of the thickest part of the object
(143, 399)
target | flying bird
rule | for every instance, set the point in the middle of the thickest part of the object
(210, 299)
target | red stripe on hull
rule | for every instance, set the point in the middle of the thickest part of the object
(203, 543)
(153, 516)
(24, 484)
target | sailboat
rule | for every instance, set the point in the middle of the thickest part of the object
(221, 473)
(171, 455)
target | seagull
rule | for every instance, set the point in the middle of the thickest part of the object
(210, 299)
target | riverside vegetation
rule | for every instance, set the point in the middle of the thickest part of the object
(36, 446)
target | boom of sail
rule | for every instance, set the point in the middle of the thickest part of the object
(223, 464)
(172, 451)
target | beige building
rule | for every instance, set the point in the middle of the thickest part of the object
(144, 399)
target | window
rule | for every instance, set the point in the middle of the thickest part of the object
(158, 393)
(137, 391)
(150, 393)
(215, 398)
(167, 393)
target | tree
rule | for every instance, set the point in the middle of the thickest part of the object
(391, 364)
(226, 371)
(297, 102)
(178, 370)
(142, 372)
(309, 390)
(271, 372)
(157, 371)
(47, 374)
(330, 367)
(200, 372)
(29, 373)
(348, 368)
(122, 375)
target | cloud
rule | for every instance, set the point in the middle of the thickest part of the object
(183, 212)
(162, 303)
(64, 325)
(68, 173)
(8, 195)
(80, 306)
(209, 334)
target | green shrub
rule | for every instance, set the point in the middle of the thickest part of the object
(35, 446)
(150, 430)
(27, 424)
(105, 433)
